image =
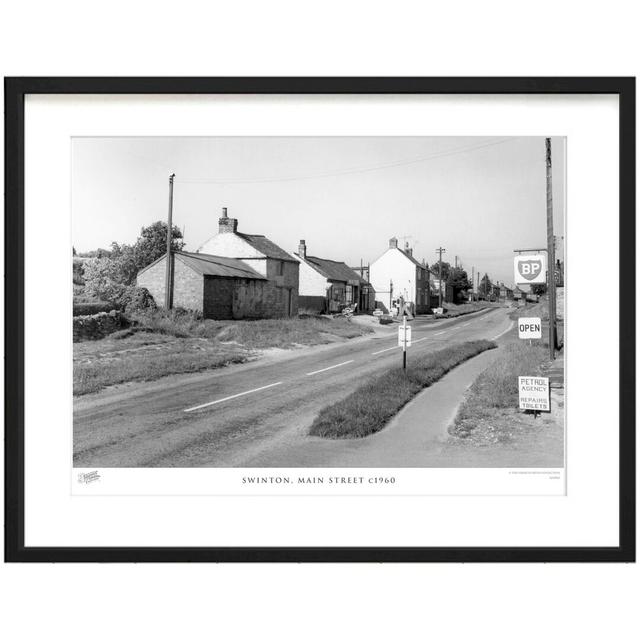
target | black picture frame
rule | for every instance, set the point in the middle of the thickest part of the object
(15, 91)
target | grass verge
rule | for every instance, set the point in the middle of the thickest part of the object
(369, 408)
(253, 334)
(495, 393)
(165, 343)
(148, 362)
(456, 310)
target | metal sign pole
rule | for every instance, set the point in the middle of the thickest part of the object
(404, 342)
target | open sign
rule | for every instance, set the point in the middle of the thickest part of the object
(530, 328)
(530, 269)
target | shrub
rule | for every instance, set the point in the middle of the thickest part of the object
(78, 272)
(136, 299)
(108, 278)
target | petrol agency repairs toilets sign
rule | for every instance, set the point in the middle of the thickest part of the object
(533, 393)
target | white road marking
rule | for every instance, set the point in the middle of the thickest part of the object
(313, 373)
(503, 332)
(237, 395)
(375, 353)
(465, 324)
(440, 333)
(420, 340)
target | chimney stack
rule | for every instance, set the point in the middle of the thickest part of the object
(407, 249)
(393, 243)
(302, 249)
(226, 224)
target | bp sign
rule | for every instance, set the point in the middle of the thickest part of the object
(529, 269)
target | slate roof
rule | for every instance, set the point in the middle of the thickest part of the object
(333, 270)
(411, 258)
(218, 266)
(208, 265)
(265, 246)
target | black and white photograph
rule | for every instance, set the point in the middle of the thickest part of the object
(365, 302)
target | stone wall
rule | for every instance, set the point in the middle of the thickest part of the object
(97, 326)
(284, 288)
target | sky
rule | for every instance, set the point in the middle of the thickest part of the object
(478, 197)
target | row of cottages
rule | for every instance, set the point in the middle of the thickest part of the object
(397, 274)
(233, 275)
(328, 286)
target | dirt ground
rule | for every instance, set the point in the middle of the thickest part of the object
(513, 438)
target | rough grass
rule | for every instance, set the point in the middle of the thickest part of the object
(369, 408)
(455, 310)
(254, 334)
(165, 343)
(101, 364)
(496, 388)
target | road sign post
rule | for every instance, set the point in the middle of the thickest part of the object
(404, 340)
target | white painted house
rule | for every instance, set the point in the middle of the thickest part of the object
(329, 285)
(397, 274)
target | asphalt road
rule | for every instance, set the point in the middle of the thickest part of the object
(228, 417)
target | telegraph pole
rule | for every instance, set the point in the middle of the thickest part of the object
(473, 281)
(440, 251)
(551, 256)
(167, 288)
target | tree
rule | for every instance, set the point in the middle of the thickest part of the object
(538, 289)
(108, 276)
(446, 269)
(485, 286)
(96, 253)
(458, 280)
(152, 243)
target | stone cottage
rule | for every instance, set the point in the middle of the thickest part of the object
(280, 270)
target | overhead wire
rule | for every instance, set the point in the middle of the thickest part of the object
(352, 171)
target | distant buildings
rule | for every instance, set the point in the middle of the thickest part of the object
(397, 274)
(236, 275)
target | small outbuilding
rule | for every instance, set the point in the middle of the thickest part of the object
(220, 288)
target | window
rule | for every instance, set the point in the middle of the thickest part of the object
(280, 268)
